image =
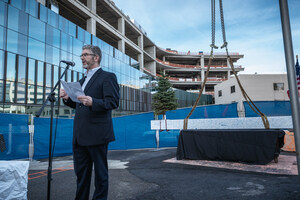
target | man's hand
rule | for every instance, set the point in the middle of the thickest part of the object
(86, 100)
(63, 94)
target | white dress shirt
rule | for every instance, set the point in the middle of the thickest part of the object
(88, 75)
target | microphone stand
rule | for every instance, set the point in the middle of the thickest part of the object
(51, 98)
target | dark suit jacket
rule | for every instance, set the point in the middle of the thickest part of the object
(93, 125)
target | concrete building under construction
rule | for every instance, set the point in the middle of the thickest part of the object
(106, 21)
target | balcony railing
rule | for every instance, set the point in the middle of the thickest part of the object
(184, 53)
(209, 79)
(177, 65)
(223, 66)
(193, 66)
(199, 53)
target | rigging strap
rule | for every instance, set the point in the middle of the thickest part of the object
(245, 95)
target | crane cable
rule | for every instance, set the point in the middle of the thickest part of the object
(212, 46)
(245, 95)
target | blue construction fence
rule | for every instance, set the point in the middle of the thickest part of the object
(14, 136)
(132, 131)
(269, 108)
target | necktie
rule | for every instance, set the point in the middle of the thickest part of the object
(83, 83)
(83, 80)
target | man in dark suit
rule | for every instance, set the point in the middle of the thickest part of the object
(93, 128)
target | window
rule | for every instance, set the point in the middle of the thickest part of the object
(77, 47)
(43, 13)
(40, 74)
(52, 55)
(39, 95)
(37, 29)
(16, 43)
(66, 42)
(220, 93)
(104, 60)
(30, 94)
(20, 93)
(232, 89)
(72, 29)
(2, 37)
(64, 56)
(3, 10)
(36, 49)
(32, 7)
(278, 86)
(31, 72)
(80, 34)
(55, 74)
(87, 37)
(52, 18)
(63, 24)
(1, 65)
(10, 91)
(78, 64)
(11, 67)
(53, 36)
(1, 91)
(18, 4)
(48, 75)
(22, 70)
(69, 76)
(17, 20)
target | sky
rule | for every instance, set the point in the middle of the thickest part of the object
(253, 28)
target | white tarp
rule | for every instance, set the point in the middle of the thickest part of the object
(13, 179)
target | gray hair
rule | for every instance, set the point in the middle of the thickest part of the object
(95, 50)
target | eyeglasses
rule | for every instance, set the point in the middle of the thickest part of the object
(87, 54)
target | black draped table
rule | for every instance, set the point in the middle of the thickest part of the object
(256, 146)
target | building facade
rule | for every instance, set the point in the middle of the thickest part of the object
(33, 40)
(35, 35)
(259, 87)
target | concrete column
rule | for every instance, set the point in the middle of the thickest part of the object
(121, 25)
(121, 45)
(164, 58)
(141, 41)
(151, 51)
(202, 75)
(228, 63)
(91, 22)
(141, 60)
(151, 66)
(202, 61)
(228, 74)
(91, 26)
(91, 4)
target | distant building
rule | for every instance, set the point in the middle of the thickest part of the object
(187, 70)
(259, 87)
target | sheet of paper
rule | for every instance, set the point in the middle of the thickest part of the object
(73, 90)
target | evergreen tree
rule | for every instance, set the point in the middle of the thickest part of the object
(164, 99)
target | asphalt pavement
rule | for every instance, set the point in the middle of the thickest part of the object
(145, 175)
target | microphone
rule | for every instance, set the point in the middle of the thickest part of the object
(68, 62)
